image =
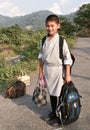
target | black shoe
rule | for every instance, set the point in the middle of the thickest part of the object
(50, 116)
(55, 122)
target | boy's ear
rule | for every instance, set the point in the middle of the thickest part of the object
(59, 26)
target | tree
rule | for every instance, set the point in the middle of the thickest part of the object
(82, 19)
(67, 27)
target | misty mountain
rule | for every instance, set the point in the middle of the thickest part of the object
(35, 20)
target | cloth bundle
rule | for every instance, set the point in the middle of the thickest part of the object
(40, 94)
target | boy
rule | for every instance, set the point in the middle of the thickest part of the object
(50, 64)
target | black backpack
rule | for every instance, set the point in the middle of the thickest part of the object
(61, 52)
(69, 107)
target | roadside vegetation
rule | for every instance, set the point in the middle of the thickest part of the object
(15, 41)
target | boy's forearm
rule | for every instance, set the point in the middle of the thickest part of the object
(67, 70)
(67, 74)
(40, 68)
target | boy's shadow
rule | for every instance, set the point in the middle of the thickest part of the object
(27, 101)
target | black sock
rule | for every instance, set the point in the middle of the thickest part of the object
(53, 100)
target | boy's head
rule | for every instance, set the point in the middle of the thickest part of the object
(53, 18)
(52, 24)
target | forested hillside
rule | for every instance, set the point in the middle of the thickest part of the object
(35, 20)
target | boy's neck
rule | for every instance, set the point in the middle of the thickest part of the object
(51, 36)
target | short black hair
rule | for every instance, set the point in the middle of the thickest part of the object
(52, 17)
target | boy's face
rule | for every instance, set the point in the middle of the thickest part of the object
(52, 27)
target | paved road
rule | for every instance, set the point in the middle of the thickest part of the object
(23, 114)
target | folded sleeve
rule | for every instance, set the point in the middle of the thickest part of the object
(40, 53)
(66, 54)
(39, 56)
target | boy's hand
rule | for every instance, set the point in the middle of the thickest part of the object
(67, 79)
(41, 75)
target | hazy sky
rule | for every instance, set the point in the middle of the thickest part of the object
(22, 7)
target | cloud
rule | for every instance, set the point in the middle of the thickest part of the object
(68, 6)
(84, 2)
(8, 8)
(74, 9)
(63, 2)
(55, 8)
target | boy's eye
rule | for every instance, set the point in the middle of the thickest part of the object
(50, 26)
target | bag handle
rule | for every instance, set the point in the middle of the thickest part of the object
(22, 73)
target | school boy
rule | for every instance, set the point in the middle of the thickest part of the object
(50, 64)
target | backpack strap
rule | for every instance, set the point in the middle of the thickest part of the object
(43, 40)
(61, 48)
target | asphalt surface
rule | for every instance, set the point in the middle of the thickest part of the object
(23, 114)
